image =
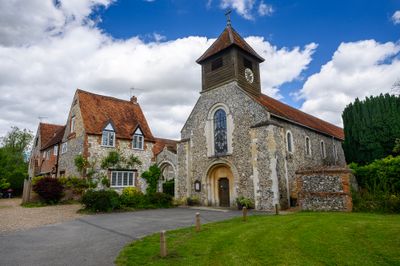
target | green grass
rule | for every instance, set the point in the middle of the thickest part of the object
(295, 239)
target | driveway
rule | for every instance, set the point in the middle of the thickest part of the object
(96, 239)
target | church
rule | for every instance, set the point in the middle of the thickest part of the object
(238, 142)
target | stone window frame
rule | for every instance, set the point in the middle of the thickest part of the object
(55, 150)
(307, 150)
(138, 138)
(110, 131)
(289, 147)
(209, 129)
(72, 124)
(64, 147)
(123, 183)
(323, 149)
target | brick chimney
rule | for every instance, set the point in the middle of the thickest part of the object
(133, 99)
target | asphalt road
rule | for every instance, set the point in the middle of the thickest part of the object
(96, 239)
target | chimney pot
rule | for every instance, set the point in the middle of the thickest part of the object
(133, 99)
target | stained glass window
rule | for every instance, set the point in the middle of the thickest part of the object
(220, 131)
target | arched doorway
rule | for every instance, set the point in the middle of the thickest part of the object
(166, 183)
(220, 186)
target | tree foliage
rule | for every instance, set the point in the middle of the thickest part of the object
(13, 164)
(152, 176)
(371, 128)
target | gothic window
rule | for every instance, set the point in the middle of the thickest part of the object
(323, 150)
(289, 141)
(220, 131)
(138, 140)
(108, 136)
(308, 146)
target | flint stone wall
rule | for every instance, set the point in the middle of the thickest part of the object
(324, 189)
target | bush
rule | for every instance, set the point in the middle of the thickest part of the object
(169, 187)
(159, 200)
(78, 185)
(152, 176)
(133, 197)
(193, 201)
(364, 201)
(49, 189)
(101, 200)
(245, 202)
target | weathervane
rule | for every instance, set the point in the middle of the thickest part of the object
(228, 17)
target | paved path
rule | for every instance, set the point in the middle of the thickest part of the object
(93, 240)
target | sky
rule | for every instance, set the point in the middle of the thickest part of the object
(319, 55)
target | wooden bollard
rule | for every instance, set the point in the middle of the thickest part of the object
(244, 210)
(197, 222)
(163, 244)
(276, 209)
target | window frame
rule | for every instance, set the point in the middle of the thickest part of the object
(289, 143)
(138, 138)
(222, 129)
(323, 149)
(108, 131)
(64, 148)
(55, 150)
(308, 149)
(120, 179)
(72, 124)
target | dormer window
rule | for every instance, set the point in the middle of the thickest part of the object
(217, 63)
(138, 140)
(108, 137)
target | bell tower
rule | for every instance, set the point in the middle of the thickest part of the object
(231, 58)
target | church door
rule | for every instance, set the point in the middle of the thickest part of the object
(223, 192)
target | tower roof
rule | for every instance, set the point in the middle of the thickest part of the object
(229, 37)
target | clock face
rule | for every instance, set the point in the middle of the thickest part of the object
(249, 75)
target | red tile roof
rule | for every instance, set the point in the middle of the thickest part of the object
(57, 138)
(228, 38)
(47, 132)
(125, 116)
(161, 143)
(287, 112)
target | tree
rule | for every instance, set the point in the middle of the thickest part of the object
(3, 183)
(152, 176)
(371, 128)
(13, 164)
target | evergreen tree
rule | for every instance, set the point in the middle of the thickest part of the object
(371, 128)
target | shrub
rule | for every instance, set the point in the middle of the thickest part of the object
(159, 200)
(245, 202)
(101, 200)
(49, 189)
(133, 197)
(193, 201)
(78, 185)
(151, 176)
(169, 187)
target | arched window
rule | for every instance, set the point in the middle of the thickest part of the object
(220, 130)
(323, 150)
(138, 140)
(289, 141)
(308, 146)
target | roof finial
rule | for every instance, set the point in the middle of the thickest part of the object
(228, 17)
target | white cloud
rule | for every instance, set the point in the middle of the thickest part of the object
(242, 7)
(265, 9)
(357, 69)
(396, 17)
(39, 75)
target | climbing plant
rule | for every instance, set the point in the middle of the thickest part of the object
(152, 176)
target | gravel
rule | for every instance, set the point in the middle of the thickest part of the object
(13, 217)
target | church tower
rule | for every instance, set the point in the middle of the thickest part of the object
(231, 58)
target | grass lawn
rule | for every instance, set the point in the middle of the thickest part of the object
(295, 239)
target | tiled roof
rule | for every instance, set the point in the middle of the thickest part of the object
(125, 116)
(161, 143)
(57, 138)
(228, 38)
(287, 112)
(47, 132)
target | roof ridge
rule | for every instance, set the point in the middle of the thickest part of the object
(104, 96)
(48, 124)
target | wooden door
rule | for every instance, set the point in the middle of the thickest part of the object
(223, 192)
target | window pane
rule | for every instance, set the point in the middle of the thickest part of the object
(130, 180)
(113, 179)
(140, 142)
(125, 178)
(104, 138)
(119, 179)
(135, 141)
(111, 138)
(289, 141)
(220, 132)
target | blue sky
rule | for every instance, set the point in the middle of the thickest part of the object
(292, 23)
(320, 55)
